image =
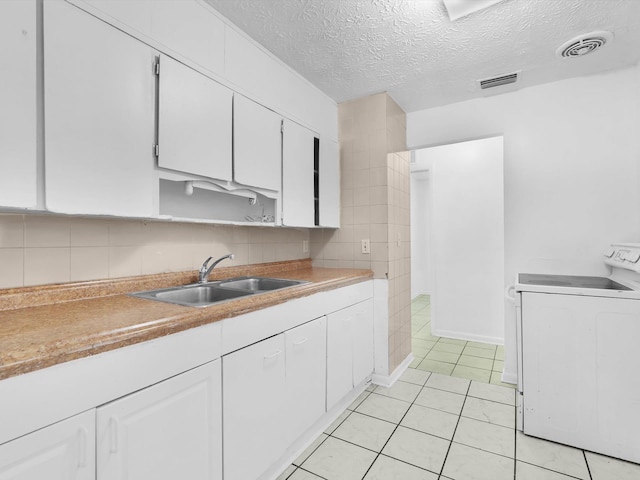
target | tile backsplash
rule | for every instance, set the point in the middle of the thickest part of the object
(37, 249)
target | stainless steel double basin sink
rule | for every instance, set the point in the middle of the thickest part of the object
(211, 293)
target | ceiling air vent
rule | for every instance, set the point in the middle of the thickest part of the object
(584, 44)
(498, 81)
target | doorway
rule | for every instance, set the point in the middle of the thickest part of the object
(457, 244)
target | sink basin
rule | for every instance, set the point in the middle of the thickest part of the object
(260, 284)
(194, 295)
(203, 295)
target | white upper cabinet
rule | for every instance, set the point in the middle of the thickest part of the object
(329, 182)
(194, 122)
(297, 175)
(18, 138)
(170, 430)
(62, 451)
(184, 27)
(257, 145)
(99, 116)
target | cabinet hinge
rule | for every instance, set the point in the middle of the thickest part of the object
(281, 126)
(156, 150)
(156, 69)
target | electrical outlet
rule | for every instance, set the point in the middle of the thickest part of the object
(305, 246)
(366, 247)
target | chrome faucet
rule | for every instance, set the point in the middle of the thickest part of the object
(205, 270)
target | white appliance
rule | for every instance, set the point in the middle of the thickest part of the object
(579, 356)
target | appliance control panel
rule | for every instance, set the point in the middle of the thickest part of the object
(623, 255)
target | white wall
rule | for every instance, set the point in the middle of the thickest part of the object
(571, 170)
(466, 235)
(420, 219)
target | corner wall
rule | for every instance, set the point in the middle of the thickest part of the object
(375, 206)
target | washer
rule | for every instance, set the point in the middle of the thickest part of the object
(579, 356)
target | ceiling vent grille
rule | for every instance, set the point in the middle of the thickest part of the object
(498, 81)
(584, 44)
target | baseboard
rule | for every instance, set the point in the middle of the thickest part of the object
(389, 380)
(508, 377)
(468, 337)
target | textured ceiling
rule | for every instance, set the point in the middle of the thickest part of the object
(410, 48)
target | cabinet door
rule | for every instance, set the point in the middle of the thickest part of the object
(62, 451)
(194, 122)
(167, 431)
(18, 99)
(339, 355)
(362, 338)
(257, 143)
(297, 175)
(99, 116)
(306, 353)
(329, 184)
(254, 408)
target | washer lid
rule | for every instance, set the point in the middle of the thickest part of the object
(570, 281)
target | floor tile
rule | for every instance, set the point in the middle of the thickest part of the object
(440, 400)
(387, 468)
(552, 456)
(486, 436)
(418, 342)
(384, 408)
(448, 347)
(365, 431)
(400, 390)
(436, 367)
(494, 393)
(431, 421)
(415, 362)
(336, 459)
(607, 468)
(287, 473)
(301, 474)
(336, 423)
(417, 377)
(488, 411)
(442, 356)
(420, 352)
(361, 398)
(450, 384)
(471, 373)
(526, 471)
(310, 449)
(417, 448)
(478, 352)
(477, 362)
(467, 463)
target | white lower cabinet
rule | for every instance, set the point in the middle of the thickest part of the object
(272, 392)
(349, 349)
(167, 431)
(62, 451)
(306, 369)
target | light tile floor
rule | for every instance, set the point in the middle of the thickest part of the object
(450, 424)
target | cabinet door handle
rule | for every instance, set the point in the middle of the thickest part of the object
(300, 341)
(272, 355)
(82, 447)
(113, 435)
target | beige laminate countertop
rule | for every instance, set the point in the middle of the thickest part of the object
(44, 326)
